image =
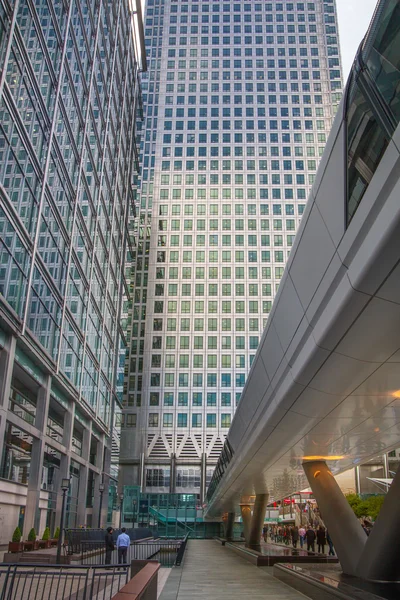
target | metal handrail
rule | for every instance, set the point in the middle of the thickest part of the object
(24, 581)
(181, 552)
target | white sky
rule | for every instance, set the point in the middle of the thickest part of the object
(354, 18)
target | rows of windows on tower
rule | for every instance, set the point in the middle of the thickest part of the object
(238, 101)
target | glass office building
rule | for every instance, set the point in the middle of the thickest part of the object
(239, 99)
(69, 100)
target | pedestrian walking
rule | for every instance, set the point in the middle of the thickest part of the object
(321, 539)
(302, 535)
(330, 544)
(109, 542)
(310, 537)
(295, 536)
(123, 543)
(265, 532)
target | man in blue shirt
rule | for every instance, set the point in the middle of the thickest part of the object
(123, 543)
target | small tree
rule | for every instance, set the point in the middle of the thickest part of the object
(57, 533)
(32, 535)
(369, 507)
(46, 534)
(17, 535)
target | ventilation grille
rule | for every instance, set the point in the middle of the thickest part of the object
(188, 450)
(159, 449)
(215, 449)
(150, 438)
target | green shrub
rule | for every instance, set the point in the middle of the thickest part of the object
(46, 534)
(32, 535)
(369, 507)
(57, 533)
(17, 535)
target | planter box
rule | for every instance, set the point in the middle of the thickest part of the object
(53, 542)
(29, 546)
(15, 546)
(44, 543)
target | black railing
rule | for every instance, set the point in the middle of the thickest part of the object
(47, 582)
(166, 551)
(75, 537)
(181, 552)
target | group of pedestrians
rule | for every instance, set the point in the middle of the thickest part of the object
(122, 544)
(306, 536)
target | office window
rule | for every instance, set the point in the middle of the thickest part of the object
(153, 419)
(182, 420)
(211, 420)
(196, 419)
(168, 399)
(183, 398)
(225, 420)
(168, 419)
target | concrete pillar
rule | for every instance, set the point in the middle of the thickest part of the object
(229, 523)
(142, 472)
(32, 510)
(82, 493)
(65, 458)
(203, 478)
(172, 476)
(7, 356)
(344, 528)
(98, 479)
(245, 511)
(385, 466)
(257, 520)
(84, 476)
(379, 560)
(358, 480)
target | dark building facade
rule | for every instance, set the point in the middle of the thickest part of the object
(69, 102)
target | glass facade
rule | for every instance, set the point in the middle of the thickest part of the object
(372, 103)
(239, 99)
(69, 101)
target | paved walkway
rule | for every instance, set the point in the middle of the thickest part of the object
(213, 572)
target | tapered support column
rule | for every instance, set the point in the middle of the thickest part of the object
(257, 520)
(344, 528)
(380, 559)
(245, 511)
(228, 525)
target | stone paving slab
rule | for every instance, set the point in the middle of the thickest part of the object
(213, 572)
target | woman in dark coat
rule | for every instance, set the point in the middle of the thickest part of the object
(321, 539)
(295, 536)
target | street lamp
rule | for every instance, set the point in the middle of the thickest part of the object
(121, 497)
(65, 483)
(133, 513)
(101, 490)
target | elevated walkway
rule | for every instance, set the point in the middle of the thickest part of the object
(212, 571)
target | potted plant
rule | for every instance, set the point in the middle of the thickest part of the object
(31, 543)
(45, 541)
(16, 545)
(54, 540)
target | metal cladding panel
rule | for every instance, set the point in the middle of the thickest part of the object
(330, 192)
(374, 336)
(288, 314)
(312, 258)
(390, 290)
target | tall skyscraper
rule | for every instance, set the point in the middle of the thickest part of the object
(69, 95)
(239, 99)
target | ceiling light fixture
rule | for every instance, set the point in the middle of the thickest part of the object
(329, 457)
